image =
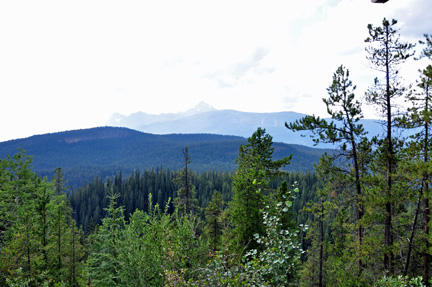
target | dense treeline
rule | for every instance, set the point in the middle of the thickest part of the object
(362, 219)
(104, 151)
(185, 226)
(90, 201)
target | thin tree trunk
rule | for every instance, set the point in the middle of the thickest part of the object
(413, 228)
(426, 260)
(321, 242)
(73, 256)
(388, 238)
(426, 257)
(186, 158)
(44, 239)
(28, 256)
(359, 204)
(59, 242)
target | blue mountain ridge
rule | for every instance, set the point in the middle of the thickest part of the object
(226, 122)
(103, 151)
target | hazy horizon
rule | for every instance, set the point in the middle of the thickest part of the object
(72, 65)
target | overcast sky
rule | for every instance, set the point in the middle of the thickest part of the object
(71, 64)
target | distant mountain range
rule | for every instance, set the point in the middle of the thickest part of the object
(205, 119)
(103, 151)
(144, 141)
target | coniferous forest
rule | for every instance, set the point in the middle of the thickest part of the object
(362, 218)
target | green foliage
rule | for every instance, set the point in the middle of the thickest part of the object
(104, 151)
(386, 53)
(388, 50)
(343, 175)
(188, 251)
(103, 265)
(427, 50)
(89, 201)
(186, 202)
(214, 225)
(250, 186)
(31, 213)
(276, 264)
(152, 249)
(365, 205)
(344, 110)
(130, 254)
(399, 281)
(415, 166)
(143, 251)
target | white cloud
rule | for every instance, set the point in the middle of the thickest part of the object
(66, 65)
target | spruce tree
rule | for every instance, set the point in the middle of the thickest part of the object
(213, 216)
(66, 246)
(255, 167)
(185, 202)
(103, 265)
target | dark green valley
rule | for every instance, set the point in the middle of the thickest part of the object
(104, 151)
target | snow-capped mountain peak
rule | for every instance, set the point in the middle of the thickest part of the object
(201, 107)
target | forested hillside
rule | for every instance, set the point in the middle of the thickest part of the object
(104, 151)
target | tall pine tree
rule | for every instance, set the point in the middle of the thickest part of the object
(416, 165)
(350, 137)
(386, 53)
